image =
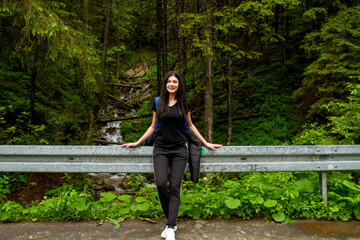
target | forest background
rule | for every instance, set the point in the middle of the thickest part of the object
(268, 72)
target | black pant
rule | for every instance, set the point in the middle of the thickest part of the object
(169, 195)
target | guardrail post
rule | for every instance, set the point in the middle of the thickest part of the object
(323, 186)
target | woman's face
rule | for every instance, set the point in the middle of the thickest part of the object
(172, 84)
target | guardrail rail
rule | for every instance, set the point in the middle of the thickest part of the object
(86, 159)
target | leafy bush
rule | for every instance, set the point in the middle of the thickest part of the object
(342, 126)
(4, 187)
(279, 196)
(8, 182)
(11, 212)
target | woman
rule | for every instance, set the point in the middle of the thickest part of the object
(170, 148)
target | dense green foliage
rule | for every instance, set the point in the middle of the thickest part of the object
(292, 65)
(281, 197)
(289, 61)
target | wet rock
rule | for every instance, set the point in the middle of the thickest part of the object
(198, 226)
(143, 180)
(118, 183)
(107, 181)
(150, 185)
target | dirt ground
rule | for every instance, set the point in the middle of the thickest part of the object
(214, 229)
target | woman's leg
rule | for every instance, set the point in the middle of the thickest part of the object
(169, 196)
(161, 165)
(177, 166)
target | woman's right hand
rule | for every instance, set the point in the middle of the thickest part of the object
(135, 144)
(213, 146)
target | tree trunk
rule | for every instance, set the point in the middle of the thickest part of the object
(266, 39)
(115, 119)
(33, 78)
(230, 84)
(209, 91)
(287, 32)
(118, 65)
(99, 95)
(105, 46)
(164, 33)
(158, 44)
(32, 95)
(276, 21)
(248, 67)
(86, 14)
(180, 40)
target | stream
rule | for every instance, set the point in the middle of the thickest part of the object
(111, 133)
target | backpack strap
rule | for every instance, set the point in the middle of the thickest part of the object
(186, 126)
(157, 122)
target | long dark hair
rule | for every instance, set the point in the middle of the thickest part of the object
(163, 103)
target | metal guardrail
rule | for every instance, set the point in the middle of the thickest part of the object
(44, 158)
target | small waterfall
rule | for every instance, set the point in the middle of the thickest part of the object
(112, 131)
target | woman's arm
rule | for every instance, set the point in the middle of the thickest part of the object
(198, 135)
(146, 135)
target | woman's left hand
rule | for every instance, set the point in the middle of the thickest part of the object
(213, 146)
(135, 144)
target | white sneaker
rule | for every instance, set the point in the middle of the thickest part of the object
(163, 234)
(170, 234)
